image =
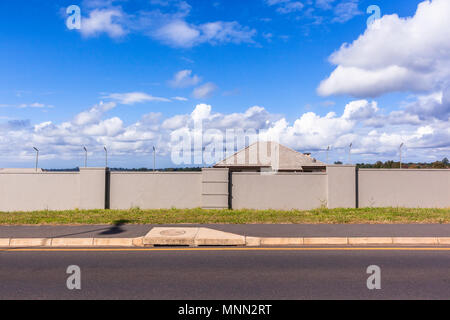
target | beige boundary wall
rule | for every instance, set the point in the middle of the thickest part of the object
(419, 188)
(155, 190)
(30, 191)
(339, 187)
(184, 190)
(282, 191)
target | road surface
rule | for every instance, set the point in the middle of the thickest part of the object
(227, 273)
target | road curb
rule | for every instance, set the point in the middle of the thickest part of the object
(222, 240)
(369, 241)
(281, 241)
(69, 242)
(255, 241)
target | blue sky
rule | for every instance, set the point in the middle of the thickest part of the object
(139, 71)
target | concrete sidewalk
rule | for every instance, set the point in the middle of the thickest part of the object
(200, 236)
(257, 230)
(85, 231)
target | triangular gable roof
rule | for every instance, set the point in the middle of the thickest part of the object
(259, 155)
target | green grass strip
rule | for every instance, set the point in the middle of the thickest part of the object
(200, 216)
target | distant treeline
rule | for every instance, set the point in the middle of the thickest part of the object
(444, 164)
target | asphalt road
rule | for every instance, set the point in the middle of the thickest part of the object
(256, 230)
(198, 274)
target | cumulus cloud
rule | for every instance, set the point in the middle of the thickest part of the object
(423, 125)
(94, 114)
(360, 110)
(167, 24)
(110, 127)
(109, 21)
(178, 33)
(396, 54)
(435, 106)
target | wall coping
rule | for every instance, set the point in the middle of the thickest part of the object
(40, 173)
(341, 166)
(404, 170)
(155, 173)
(281, 173)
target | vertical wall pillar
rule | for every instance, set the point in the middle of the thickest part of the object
(342, 191)
(92, 188)
(215, 188)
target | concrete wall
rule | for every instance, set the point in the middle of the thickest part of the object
(39, 191)
(404, 188)
(340, 186)
(280, 191)
(215, 193)
(92, 188)
(155, 190)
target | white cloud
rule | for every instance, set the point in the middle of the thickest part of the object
(396, 54)
(167, 24)
(201, 112)
(423, 125)
(110, 127)
(324, 4)
(42, 125)
(346, 10)
(184, 79)
(179, 33)
(433, 106)
(360, 110)
(98, 3)
(134, 97)
(175, 122)
(204, 91)
(180, 99)
(226, 32)
(36, 105)
(94, 114)
(109, 21)
(360, 82)
(286, 6)
(315, 11)
(290, 7)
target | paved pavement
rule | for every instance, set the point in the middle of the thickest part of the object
(225, 274)
(92, 231)
(131, 231)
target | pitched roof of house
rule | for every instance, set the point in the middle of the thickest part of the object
(259, 155)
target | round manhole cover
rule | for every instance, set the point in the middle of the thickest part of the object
(172, 233)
